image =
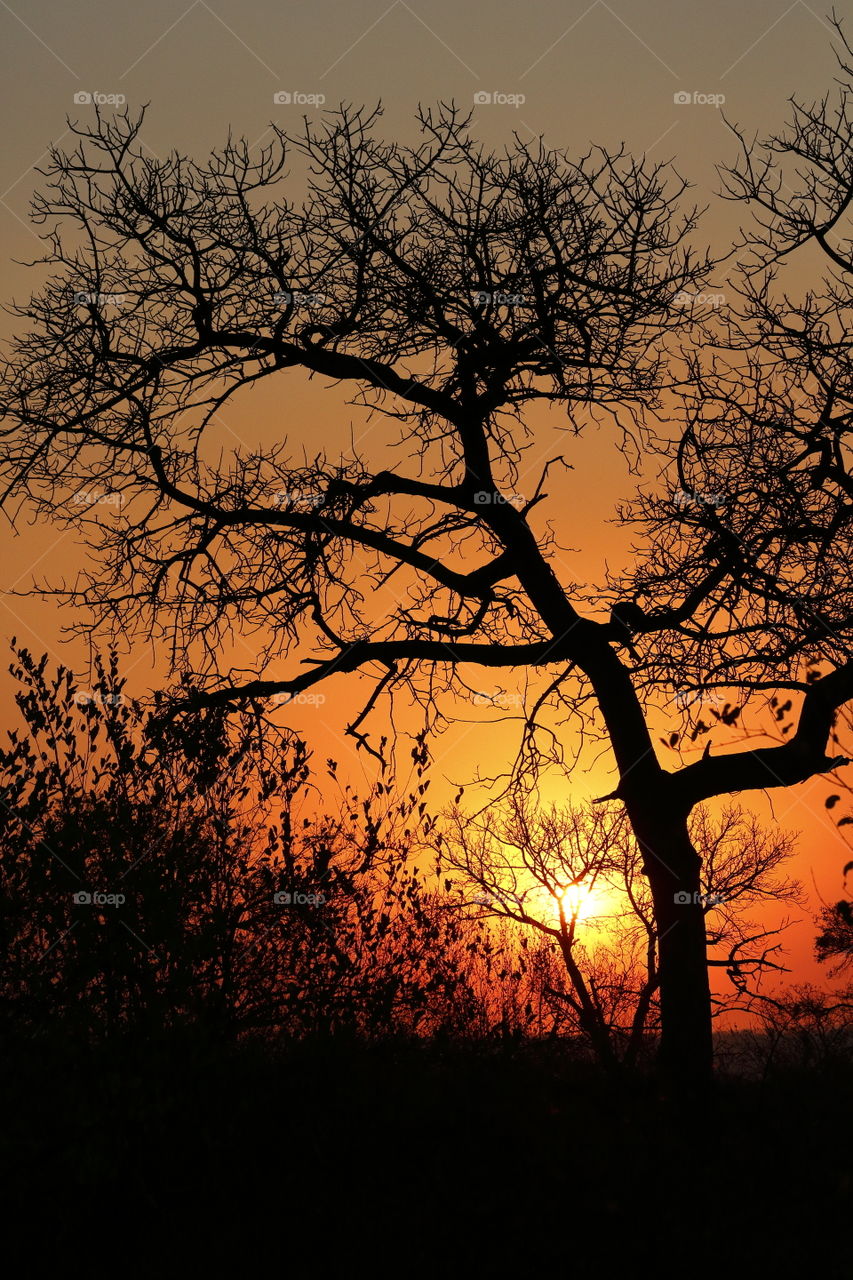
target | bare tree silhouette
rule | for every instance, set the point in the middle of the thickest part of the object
(536, 866)
(448, 289)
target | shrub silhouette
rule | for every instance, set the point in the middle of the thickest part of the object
(157, 878)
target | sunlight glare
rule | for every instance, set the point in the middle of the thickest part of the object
(580, 902)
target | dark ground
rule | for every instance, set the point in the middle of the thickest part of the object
(169, 1159)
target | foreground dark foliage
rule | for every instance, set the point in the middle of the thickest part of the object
(147, 1159)
(370, 1089)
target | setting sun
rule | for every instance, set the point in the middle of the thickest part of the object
(581, 901)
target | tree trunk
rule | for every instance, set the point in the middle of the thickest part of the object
(589, 1015)
(672, 866)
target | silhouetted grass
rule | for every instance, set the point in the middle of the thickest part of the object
(327, 1157)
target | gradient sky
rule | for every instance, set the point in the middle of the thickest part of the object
(597, 72)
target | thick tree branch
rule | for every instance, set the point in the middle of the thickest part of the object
(362, 652)
(781, 766)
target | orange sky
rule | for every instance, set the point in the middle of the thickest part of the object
(603, 72)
